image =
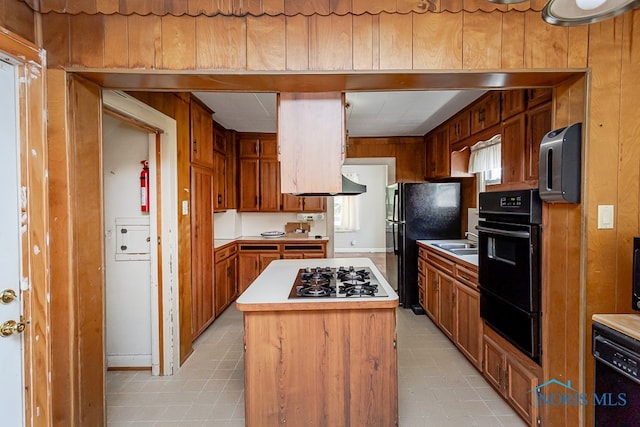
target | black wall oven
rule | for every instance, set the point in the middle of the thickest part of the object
(509, 266)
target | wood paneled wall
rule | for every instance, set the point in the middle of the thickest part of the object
(314, 43)
(433, 42)
(409, 153)
(17, 17)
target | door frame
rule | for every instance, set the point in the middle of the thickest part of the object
(165, 349)
(35, 272)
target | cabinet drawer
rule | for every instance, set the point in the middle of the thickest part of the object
(467, 275)
(260, 248)
(422, 252)
(303, 247)
(441, 262)
(225, 252)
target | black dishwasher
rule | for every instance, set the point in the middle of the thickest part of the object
(616, 397)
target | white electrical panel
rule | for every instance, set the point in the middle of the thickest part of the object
(133, 239)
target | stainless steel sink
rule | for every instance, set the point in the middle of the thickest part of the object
(464, 251)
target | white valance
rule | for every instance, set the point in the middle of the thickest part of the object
(486, 155)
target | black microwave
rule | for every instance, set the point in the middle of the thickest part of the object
(636, 275)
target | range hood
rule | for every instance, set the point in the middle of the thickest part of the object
(312, 145)
(349, 188)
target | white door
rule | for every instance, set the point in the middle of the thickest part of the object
(11, 372)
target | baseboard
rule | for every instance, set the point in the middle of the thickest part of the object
(128, 361)
(372, 250)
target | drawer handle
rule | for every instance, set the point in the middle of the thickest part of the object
(465, 277)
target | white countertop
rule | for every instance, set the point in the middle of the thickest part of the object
(471, 259)
(274, 284)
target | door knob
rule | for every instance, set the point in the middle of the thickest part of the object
(11, 327)
(7, 296)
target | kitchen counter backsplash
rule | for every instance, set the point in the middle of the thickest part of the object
(232, 224)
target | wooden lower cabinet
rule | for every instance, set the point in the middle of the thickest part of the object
(255, 257)
(320, 367)
(226, 282)
(468, 327)
(452, 301)
(512, 374)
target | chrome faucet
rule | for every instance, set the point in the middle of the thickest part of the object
(468, 233)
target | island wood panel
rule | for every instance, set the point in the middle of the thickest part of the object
(320, 367)
(18, 18)
(176, 106)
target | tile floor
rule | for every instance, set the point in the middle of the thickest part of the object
(437, 386)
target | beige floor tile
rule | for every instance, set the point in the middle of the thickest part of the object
(437, 386)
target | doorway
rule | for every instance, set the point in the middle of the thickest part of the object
(149, 249)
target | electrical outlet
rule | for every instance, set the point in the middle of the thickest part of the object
(305, 217)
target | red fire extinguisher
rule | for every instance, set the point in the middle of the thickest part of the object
(144, 187)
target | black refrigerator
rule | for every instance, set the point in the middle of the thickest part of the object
(417, 211)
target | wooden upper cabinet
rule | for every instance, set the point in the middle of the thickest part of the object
(538, 125)
(459, 127)
(538, 95)
(311, 132)
(513, 149)
(513, 102)
(258, 173)
(219, 140)
(201, 134)
(437, 154)
(486, 112)
(291, 203)
(219, 181)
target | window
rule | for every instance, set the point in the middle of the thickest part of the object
(486, 160)
(346, 212)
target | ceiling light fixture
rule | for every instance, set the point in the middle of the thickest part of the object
(583, 12)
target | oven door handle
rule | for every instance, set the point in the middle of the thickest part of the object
(519, 234)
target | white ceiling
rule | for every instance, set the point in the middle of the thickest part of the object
(405, 113)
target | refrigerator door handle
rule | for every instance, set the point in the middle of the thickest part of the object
(395, 205)
(395, 243)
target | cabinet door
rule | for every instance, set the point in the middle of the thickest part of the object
(493, 364)
(468, 329)
(268, 147)
(513, 102)
(447, 304)
(519, 383)
(220, 181)
(232, 278)
(269, 195)
(431, 289)
(513, 149)
(219, 140)
(265, 259)
(249, 184)
(538, 95)
(248, 269)
(201, 135)
(249, 147)
(437, 154)
(202, 280)
(314, 204)
(459, 127)
(485, 113)
(538, 125)
(222, 287)
(291, 203)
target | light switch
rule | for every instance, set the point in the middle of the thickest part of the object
(185, 207)
(605, 216)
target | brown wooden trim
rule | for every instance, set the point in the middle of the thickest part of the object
(131, 120)
(158, 155)
(325, 305)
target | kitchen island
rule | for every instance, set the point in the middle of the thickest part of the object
(320, 360)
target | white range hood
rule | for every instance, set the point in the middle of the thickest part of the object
(312, 144)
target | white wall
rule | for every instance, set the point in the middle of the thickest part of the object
(371, 236)
(232, 224)
(128, 283)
